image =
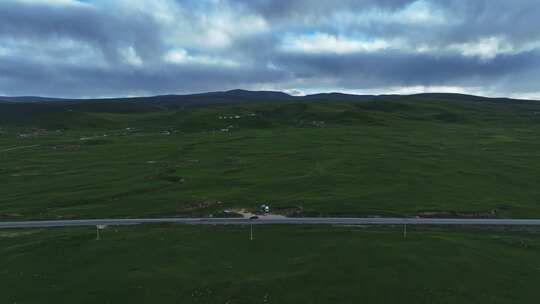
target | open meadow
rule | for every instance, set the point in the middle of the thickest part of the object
(283, 264)
(396, 157)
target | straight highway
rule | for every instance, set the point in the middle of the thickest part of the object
(268, 221)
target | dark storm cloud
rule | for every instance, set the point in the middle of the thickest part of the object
(81, 81)
(316, 8)
(106, 30)
(111, 48)
(396, 69)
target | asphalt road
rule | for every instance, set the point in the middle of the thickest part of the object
(263, 221)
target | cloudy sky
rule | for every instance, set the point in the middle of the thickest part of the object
(105, 48)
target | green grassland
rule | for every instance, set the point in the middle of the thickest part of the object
(283, 264)
(399, 157)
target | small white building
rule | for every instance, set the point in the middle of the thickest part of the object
(265, 208)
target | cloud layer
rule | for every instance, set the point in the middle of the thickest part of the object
(95, 48)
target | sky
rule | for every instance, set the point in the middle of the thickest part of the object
(111, 48)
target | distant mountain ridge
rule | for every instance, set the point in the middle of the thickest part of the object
(239, 95)
(29, 99)
(31, 107)
(218, 95)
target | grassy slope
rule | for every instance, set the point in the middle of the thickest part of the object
(396, 157)
(175, 264)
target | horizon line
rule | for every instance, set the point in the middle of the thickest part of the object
(287, 92)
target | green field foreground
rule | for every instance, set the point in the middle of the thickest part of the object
(284, 264)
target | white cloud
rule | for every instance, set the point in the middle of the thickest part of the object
(217, 27)
(295, 92)
(528, 95)
(60, 50)
(488, 48)
(52, 2)
(3, 51)
(184, 25)
(165, 12)
(130, 56)
(418, 89)
(222, 28)
(404, 90)
(181, 56)
(325, 43)
(269, 65)
(485, 48)
(416, 13)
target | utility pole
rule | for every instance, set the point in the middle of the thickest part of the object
(98, 228)
(251, 232)
(404, 231)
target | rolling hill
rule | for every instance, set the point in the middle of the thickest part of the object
(29, 105)
(332, 154)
